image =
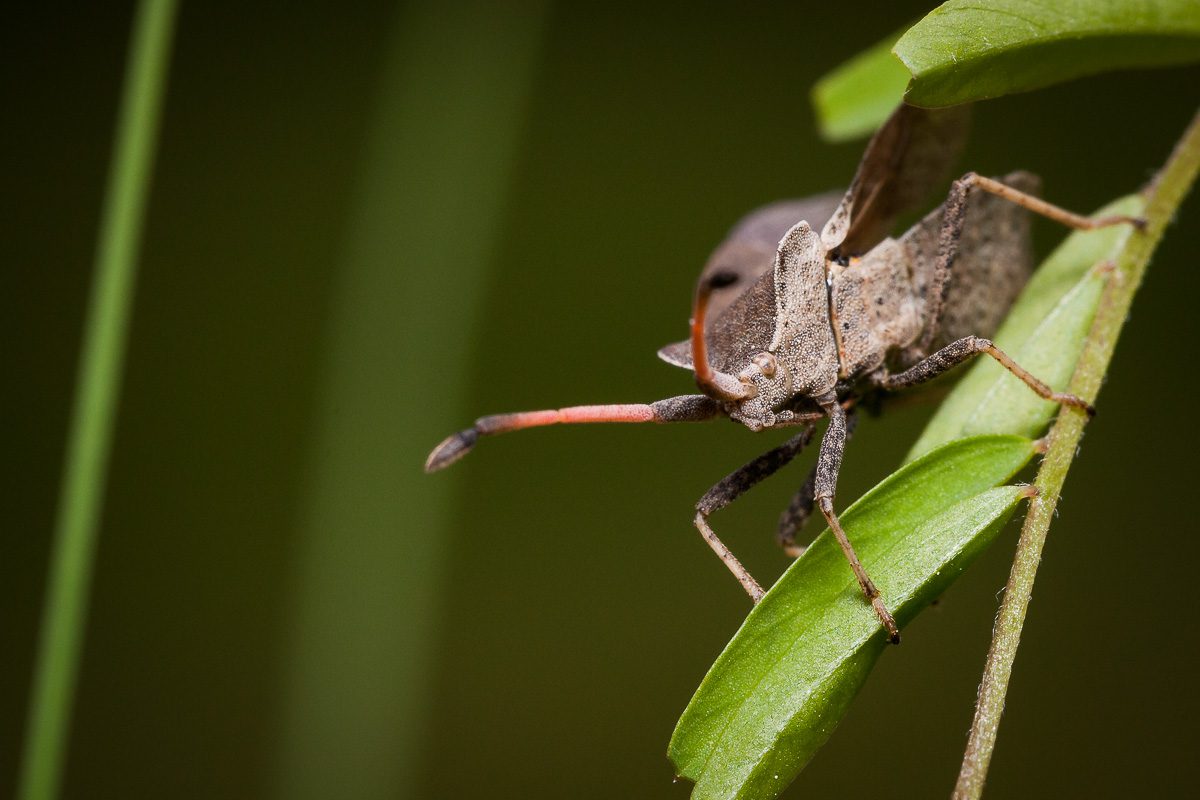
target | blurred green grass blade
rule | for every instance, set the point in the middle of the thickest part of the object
(93, 416)
(965, 50)
(1044, 332)
(424, 226)
(776, 693)
(854, 99)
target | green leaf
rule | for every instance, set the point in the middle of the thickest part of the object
(1044, 333)
(776, 693)
(965, 50)
(855, 99)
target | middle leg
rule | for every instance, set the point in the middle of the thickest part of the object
(955, 353)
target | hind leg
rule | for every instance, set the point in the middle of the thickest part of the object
(954, 212)
(955, 353)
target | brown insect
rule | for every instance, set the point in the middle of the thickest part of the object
(790, 325)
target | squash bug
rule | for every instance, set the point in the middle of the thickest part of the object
(790, 326)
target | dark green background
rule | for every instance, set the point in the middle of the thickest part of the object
(284, 606)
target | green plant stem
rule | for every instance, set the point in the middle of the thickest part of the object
(1163, 196)
(92, 417)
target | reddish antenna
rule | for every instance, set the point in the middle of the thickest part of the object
(716, 384)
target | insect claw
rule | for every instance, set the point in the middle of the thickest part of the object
(1077, 402)
(885, 616)
(1118, 219)
(452, 448)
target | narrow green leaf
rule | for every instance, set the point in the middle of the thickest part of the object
(785, 680)
(1044, 333)
(855, 99)
(97, 397)
(965, 50)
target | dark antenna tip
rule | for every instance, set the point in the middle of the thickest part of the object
(452, 448)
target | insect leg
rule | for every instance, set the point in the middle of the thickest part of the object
(829, 463)
(1040, 206)
(954, 211)
(792, 521)
(686, 408)
(955, 353)
(733, 486)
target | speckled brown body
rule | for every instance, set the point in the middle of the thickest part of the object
(853, 316)
(791, 325)
(880, 308)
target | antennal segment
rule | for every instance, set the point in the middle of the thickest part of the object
(716, 384)
(687, 408)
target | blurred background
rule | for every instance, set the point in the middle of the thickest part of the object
(371, 223)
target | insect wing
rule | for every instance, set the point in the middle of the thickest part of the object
(910, 156)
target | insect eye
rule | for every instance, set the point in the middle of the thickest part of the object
(722, 278)
(766, 363)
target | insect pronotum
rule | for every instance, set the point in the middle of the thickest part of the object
(790, 326)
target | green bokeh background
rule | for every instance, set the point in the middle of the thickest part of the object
(372, 223)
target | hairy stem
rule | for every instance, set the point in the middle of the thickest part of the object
(94, 411)
(1163, 197)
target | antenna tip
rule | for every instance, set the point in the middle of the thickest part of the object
(452, 448)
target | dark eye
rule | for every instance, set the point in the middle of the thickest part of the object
(722, 278)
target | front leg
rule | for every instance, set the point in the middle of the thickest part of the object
(955, 353)
(829, 463)
(792, 521)
(733, 486)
